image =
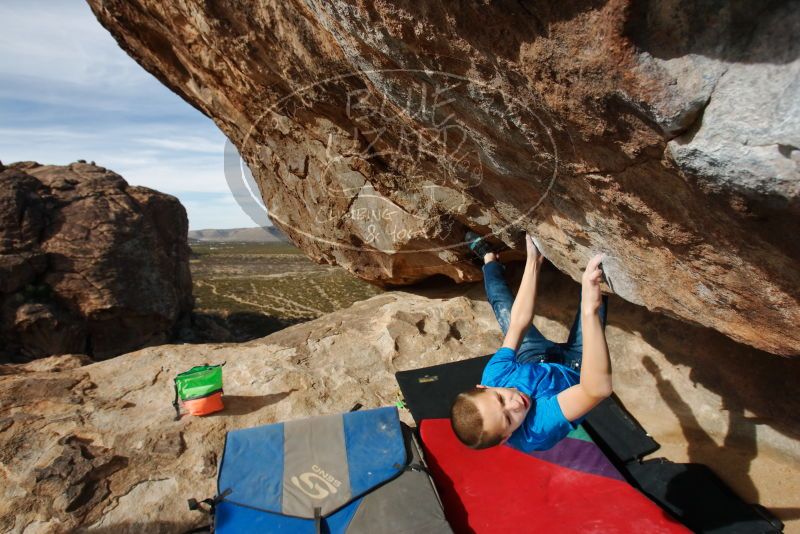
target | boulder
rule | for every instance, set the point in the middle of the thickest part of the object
(663, 133)
(88, 263)
(96, 448)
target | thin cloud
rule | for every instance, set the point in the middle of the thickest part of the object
(62, 42)
(69, 92)
(186, 144)
(8, 134)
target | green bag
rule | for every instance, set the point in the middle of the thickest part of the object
(199, 390)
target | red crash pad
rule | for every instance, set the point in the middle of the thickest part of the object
(504, 490)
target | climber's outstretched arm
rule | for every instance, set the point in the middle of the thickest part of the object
(525, 301)
(595, 384)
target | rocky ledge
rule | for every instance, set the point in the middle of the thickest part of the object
(96, 448)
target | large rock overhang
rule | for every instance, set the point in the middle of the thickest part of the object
(378, 132)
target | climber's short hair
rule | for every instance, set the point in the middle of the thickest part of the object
(467, 422)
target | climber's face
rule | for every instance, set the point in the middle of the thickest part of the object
(502, 409)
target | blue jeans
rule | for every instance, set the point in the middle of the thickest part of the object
(534, 346)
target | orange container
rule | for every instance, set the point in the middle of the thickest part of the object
(204, 405)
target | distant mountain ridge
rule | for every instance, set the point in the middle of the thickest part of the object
(268, 234)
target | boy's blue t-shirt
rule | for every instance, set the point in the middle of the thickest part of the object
(545, 424)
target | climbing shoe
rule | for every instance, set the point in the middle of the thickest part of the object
(477, 245)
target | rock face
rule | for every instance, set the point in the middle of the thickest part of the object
(665, 134)
(662, 133)
(96, 448)
(88, 264)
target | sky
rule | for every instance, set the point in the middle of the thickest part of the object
(68, 92)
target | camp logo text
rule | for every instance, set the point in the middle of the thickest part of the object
(308, 483)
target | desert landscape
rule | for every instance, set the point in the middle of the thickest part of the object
(253, 289)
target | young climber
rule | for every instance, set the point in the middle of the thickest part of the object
(534, 391)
